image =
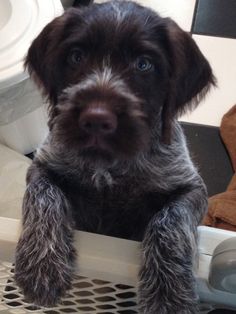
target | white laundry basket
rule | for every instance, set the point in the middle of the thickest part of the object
(22, 118)
(106, 280)
(107, 277)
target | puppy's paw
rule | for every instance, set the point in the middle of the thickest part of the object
(43, 275)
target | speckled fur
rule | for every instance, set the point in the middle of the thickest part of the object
(144, 186)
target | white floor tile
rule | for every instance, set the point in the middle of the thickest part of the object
(221, 53)
(179, 10)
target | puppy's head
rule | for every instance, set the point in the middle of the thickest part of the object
(116, 74)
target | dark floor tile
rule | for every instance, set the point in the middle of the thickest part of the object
(215, 18)
(210, 156)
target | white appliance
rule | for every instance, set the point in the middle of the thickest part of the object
(22, 114)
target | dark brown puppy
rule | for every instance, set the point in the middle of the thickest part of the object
(117, 76)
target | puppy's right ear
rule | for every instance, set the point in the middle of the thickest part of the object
(41, 58)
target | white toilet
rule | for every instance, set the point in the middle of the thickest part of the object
(22, 114)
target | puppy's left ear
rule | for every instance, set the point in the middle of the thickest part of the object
(191, 74)
(41, 58)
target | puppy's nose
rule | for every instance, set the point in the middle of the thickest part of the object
(98, 121)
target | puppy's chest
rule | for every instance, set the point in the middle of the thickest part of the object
(115, 211)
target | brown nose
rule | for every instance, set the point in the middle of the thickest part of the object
(98, 121)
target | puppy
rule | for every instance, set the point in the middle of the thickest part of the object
(115, 161)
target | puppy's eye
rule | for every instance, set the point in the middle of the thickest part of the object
(75, 56)
(143, 64)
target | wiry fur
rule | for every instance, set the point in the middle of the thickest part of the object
(139, 183)
(45, 254)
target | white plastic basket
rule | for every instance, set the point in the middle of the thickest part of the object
(106, 281)
(107, 277)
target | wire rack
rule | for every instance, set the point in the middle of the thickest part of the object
(88, 295)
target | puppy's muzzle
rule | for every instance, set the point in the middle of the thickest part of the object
(102, 118)
(98, 124)
(98, 121)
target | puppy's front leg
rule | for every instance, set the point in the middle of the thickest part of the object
(167, 283)
(45, 255)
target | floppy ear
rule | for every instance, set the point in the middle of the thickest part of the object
(191, 75)
(41, 58)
